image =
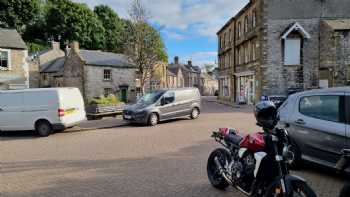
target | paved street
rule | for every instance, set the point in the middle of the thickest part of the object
(109, 158)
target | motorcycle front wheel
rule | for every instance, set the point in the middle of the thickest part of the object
(214, 176)
(300, 189)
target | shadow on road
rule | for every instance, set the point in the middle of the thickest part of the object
(178, 174)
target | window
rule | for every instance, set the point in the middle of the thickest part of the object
(253, 51)
(246, 24)
(292, 51)
(254, 19)
(107, 91)
(348, 73)
(168, 98)
(4, 59)
(321, 107)
(239, 27)
(107, 75)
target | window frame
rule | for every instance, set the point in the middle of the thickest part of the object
(104, 75)
(341, 110)
(8, 51)
(104, 91)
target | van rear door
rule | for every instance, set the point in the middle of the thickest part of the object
(71, 104)
(11, 107)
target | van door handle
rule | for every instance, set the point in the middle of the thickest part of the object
(300, 122)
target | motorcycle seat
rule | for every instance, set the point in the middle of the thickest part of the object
(234, 138)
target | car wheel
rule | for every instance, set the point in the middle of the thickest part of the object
(153, 119)
(44, 128)
(194, 113)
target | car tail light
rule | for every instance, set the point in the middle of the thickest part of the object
(60, 112)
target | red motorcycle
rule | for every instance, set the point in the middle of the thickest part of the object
(255, 164)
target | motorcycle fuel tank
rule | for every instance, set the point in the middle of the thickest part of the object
(253, 142)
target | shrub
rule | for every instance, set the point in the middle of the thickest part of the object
(109, 100)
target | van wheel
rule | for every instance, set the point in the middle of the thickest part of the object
(44, 128)
(195, 113)
(153, 119)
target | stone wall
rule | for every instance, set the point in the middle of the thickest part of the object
(73, 72)
(277, 78)
(335, 54)
(18, 72)
(94, 83)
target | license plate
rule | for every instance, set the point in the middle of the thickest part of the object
(127, 117)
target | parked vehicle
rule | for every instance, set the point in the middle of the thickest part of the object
(255, 164)
(277, 99)
(318, 123)
(164, 105)
(44, 110)
(344, 165)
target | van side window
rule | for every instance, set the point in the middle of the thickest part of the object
(169, 97)
(321, 107)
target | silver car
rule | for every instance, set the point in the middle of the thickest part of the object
(318, 122)
(164, 105)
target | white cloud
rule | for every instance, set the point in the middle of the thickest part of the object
(204, 17)
(202, 58)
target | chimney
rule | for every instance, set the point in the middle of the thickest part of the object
(189, 63)
(176, 60)
(55, 45)
(75, 46)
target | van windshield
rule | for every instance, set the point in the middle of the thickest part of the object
(151, 97)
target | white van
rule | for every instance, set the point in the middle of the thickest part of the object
(44, 110)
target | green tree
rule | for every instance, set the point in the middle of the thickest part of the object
(68, 21)
(113, 26)
(144, 44)
(19, 13)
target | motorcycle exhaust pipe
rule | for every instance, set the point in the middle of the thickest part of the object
(222, 171)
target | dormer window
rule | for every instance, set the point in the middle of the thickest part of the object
(4, 59)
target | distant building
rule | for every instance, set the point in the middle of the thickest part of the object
(284, 46)
(94, 72)
(209, 84)
(14, 69)
(191, 74)
(175, 78)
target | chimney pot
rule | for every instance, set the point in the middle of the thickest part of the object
(176, 60)
(190, 62)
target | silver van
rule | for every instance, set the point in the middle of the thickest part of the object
(164, 105)
(318, 122)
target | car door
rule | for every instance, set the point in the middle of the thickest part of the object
(168, 107)
(318, 126)
(11, 107)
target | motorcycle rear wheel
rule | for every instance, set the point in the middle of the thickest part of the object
(214, 176)
(300, 189)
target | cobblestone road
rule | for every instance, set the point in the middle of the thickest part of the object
(119, 160)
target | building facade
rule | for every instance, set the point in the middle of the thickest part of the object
(95, 73)
(191, 75)
(281, 47)
(226, 53)
(14, 69)
(175, 78)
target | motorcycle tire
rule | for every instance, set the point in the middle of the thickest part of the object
(299, 189)
(214, 176)
(345, 192)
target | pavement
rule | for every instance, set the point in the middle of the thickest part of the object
(111, 158)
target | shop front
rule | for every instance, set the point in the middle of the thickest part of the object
(245, 88)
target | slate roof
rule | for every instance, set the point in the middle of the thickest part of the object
(10, 38)
(339, 24)
(100, 58)
(186, 67)
(55, 65)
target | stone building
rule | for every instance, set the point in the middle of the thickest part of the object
(209, 84)
(191, 74)
(226, 37)
(95, 73)
(14, 69)
(280, 47)
(175, 78)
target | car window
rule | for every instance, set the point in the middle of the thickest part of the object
(321, 107)
(169, 97)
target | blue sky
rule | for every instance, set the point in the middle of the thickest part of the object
(188, 27)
